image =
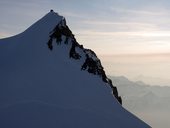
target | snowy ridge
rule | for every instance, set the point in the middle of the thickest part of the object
(43, 88)
(62, 34)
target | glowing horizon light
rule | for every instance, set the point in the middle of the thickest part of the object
(154, 34)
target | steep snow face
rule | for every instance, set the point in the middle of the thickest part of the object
(42, 84)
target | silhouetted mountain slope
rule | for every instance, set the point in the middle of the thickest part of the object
(49, 80)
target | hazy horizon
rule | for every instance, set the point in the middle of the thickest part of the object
(153, 69)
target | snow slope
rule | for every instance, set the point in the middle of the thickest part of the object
(43, 88)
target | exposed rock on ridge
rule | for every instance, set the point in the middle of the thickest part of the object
(62, 33)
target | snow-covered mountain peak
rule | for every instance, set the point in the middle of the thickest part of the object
(47, 79)
(62, 35)
(43, 26)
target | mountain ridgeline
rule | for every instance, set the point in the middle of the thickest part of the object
(92, 64)
(48, 80)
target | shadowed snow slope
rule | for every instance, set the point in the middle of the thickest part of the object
(43, 88)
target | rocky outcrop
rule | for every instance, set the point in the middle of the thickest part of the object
(62, 34)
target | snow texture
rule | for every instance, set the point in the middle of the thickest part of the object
(43, 88)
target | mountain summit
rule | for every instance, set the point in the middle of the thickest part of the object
(49, 80)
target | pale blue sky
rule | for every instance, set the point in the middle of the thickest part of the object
(107, 26)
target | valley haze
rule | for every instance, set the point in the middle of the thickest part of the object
(150, 103)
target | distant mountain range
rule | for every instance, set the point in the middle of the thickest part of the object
(156, 81)
(151, 103)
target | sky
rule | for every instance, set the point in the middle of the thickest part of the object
(132, 29)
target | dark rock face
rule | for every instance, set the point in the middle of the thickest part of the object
(91, 64)
(73, 53)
